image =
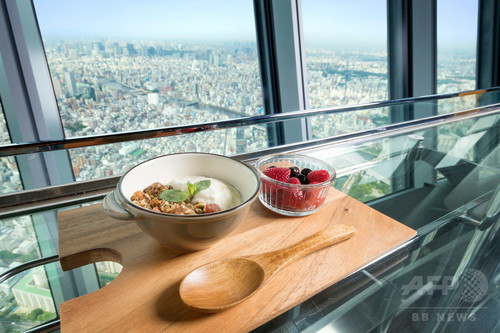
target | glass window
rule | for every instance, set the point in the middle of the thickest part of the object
(150, 64)
(346, 51)
(10, 181)
(456, 45)
(140, 65)
(346, 57)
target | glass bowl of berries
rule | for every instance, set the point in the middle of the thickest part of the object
(294, 185)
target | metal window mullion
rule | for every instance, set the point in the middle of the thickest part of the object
(412, 56)
(17, 107)
(488, 44)
(423, 16)
(37, 117)
(268, 72)
(399, 70)
(32, 115)
(423, 51)
(398, 57)
(286, 29)
(304, 83)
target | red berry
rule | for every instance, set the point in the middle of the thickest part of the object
(212, 208)
(318, 176)
(294, 180)
(293, 198)
(280, 174)
(314, 197)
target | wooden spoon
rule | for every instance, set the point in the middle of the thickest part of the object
(224, 283)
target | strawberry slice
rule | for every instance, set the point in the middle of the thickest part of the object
(280, 174)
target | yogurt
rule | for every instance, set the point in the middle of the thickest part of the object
(224, 195)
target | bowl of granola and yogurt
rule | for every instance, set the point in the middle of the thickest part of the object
(186, 201)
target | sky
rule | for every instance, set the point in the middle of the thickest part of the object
(326, 23)
(153, 19)
(457, 23)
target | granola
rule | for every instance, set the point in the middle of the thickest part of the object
(149, 198)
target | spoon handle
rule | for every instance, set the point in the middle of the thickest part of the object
(273, 261)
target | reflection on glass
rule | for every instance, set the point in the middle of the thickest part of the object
(365, 171)
(365, 184)
(18, 242)
(456, 43)
(463, 154)
(26, 301)
(9, 175)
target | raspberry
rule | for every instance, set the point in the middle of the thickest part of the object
(294, 180)
(280, 174)
(318, 176)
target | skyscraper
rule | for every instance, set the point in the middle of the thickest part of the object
(69, 79)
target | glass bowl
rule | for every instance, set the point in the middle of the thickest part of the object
(293, 199)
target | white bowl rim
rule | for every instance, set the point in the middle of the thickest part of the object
(197, 216)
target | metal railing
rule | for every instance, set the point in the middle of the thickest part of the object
(109, 138)
(31, 201)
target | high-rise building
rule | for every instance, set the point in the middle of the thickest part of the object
(69, 79)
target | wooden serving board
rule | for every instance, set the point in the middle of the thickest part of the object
(145, 296)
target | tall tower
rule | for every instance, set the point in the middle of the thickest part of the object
(70, 83)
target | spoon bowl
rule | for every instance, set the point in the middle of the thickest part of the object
(222, 284)
(225, 283)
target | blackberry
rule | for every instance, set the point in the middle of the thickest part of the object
(302, 179)
(294, 171)
(305, 171)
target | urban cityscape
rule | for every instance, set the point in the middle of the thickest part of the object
(108, 86)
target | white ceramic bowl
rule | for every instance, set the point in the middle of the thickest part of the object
(184, 233)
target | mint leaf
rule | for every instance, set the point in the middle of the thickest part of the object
(191, 189)
(173, 195)
(202, 185)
